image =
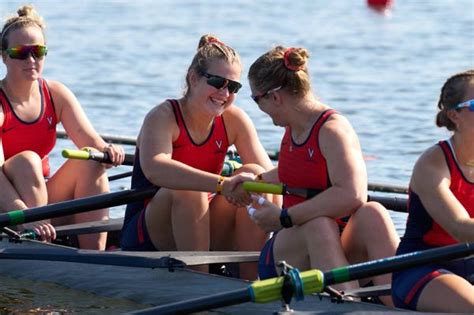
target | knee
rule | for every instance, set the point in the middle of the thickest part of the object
(321, 228)
(26, 161)
(193, 203)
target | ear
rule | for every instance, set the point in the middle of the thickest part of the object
(453, 115)
(277, 98)
(193, 77)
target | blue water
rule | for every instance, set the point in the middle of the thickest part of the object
(383, 71)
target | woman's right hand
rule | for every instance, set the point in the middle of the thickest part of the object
(234, 191)
(43, 229)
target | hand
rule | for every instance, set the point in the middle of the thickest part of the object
(43, 229)
(266, 215)
(233, 189)
(115, 153)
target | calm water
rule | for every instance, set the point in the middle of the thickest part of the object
(384, 72)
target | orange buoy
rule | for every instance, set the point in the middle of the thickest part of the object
(379, 4)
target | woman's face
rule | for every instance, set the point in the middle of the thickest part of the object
(28, 69)
(221, 74)
(264, 100)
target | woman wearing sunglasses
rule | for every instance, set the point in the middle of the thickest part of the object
(319, 150)
(181, 148)
(31, 106)
(441, 209)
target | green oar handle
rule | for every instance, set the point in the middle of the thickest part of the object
(102, 157)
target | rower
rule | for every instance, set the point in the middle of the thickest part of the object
(320, 150)
(441, 208)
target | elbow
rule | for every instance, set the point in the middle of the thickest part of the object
(356, 198)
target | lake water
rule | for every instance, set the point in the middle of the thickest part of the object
(383, 71)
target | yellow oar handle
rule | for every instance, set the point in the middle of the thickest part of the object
(277, 189)
(270, 290)
(76, 154)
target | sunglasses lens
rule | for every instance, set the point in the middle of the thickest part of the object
(217, 82)
(23, 52)
(234, 87)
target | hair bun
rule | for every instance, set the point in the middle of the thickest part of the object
(209, 39)
(295, 58)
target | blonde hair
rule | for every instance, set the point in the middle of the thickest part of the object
(452, 93)
(27, 16)
(281, 66)
(210, 49)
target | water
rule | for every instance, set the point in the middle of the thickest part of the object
(384, 72)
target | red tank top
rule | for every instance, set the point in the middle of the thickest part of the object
(38, 136)
(464, 192)
(208, 156)
(303, 165)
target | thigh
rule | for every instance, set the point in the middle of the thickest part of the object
(222, 223)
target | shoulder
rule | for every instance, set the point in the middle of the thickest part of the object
(431, 166)
(336, 127)
(163, 110)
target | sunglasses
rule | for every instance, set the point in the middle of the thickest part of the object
(24, 51)
(469, 104)
(257, 98)
(221, 83)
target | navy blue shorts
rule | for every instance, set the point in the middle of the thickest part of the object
(266, 262)
(407, 285)
(135, 235)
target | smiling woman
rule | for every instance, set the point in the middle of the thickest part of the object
(28, 119)
(181, 148)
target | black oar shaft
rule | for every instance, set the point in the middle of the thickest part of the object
(76, 206)
(397, 263)
(201, 304)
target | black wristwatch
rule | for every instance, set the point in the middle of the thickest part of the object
(285, 219)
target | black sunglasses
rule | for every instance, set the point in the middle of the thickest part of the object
(221, 83)
(257, 98)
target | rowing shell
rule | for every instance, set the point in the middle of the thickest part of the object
(152, 278)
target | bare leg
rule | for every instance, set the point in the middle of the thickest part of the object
(316, 244)
(371, 222)
(78, 179)
(179, 220)
(25, 173)
(447, 293)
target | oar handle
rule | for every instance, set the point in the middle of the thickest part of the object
(276, 189)
(98, 156)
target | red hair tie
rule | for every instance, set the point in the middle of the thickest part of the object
(288, 65)
(215, 40)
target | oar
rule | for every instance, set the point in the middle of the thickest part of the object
(108, 138)
(102, 157)
(273, 155)
(119, 176)
(393, 203)
(314, 281)
(76, 206)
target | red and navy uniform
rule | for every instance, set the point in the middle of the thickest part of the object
(38, 135)
(207, 156)
(299, 165)
(422, 232)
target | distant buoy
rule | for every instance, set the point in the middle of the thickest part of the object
(380, 4)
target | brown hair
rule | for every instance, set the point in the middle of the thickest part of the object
(27, 16)
(452, 93)
(210, 48)
(285, 67)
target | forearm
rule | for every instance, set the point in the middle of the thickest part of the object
(172, 174)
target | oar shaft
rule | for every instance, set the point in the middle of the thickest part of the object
(76, 206)
(397, 263)
(398, 204)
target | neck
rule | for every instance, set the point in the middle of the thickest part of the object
(463, 148)
(194, 116)
(20, 91)
(305, 113)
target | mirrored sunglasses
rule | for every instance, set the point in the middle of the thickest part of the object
(469, 104)
(219, 82)
(23, 51)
